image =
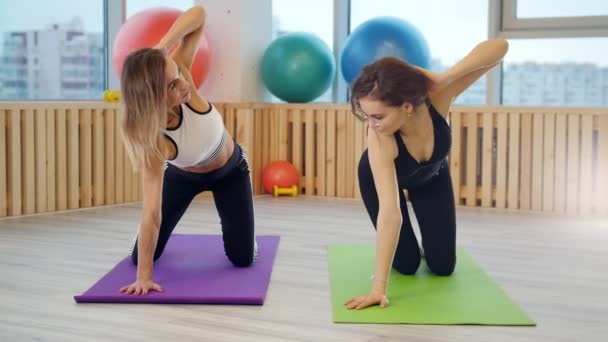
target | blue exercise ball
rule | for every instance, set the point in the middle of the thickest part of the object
(298, 67)
(382, 37)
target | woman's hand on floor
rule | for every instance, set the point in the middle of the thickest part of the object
(141, 287)
(363, 302)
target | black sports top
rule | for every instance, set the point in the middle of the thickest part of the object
(410, 173)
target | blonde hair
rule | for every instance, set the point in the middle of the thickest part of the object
(144, 113)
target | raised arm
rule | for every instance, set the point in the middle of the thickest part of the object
(483, 57)
(451, 83)
(186, 32)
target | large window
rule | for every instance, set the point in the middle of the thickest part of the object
(556, 72)
(591, 15)
(52, 50)
(560, 8)
(315, 17)
(557, 53)
(451, 29)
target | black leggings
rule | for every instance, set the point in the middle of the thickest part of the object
(233, 196)
(433, 203)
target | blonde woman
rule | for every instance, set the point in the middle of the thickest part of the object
(178, 141)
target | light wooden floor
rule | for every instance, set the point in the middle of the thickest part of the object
(554, 267)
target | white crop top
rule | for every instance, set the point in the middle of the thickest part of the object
(198, 138)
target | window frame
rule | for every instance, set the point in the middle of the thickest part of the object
(583, 25)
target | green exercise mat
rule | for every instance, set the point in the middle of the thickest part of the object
(468, 296)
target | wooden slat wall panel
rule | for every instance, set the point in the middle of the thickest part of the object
(14, 162)
(586, 171)
(501, 160)
(3, 164)
(28, 160)
(109, 118)
(51, 160)
(331, 154)
(456, 153)
(559, 203)
(573, 164)
(99, 146)
(525, 175)
(244, 129)
(41, 159)
(321, 153)
(58, 156)
(471, 161)
(309, 151)
(513, 173)
(119, 150)
(283, 142)
(86, 158)
(601, 195)
(274, 135)
(230, 120)
(135, 186)
(73, 159)
(267, 150)
(349, 180)
(549, 162)
(537, 161)
(360, 132)
(128, 179)
(341, 154)
(257, 154)
(62, 159)
(297, 143)
(487, 158)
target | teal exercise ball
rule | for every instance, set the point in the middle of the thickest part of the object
(298, 67)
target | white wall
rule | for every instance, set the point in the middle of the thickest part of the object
(238, 32)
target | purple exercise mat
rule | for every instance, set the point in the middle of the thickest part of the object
(193, 270)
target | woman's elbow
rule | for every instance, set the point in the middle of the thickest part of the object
(391, 220)
(500, 45)
(504, 46)
(200, 12)
(152, 218)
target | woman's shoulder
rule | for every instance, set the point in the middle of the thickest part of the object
(439, 102)
(199, 105)
(382, 145)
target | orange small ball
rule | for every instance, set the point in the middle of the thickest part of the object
(280, 173)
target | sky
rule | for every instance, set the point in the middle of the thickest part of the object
(451, 28)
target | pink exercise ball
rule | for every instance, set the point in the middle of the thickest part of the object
(146, 29)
